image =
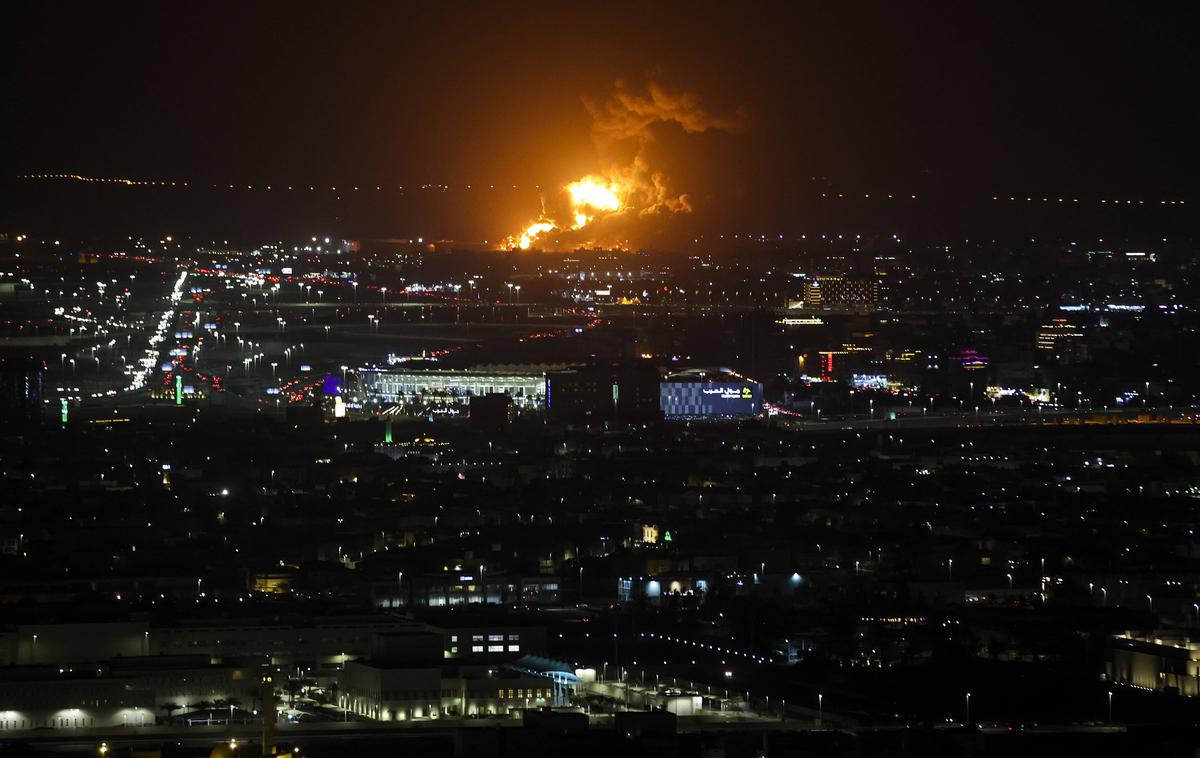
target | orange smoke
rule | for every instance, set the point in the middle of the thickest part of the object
(625, 189)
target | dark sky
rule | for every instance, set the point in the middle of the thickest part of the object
(1088, 99)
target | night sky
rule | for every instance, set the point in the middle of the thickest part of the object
(952, 100)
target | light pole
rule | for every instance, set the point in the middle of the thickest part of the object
(1110, 694)
(820, 708)
(968, 709)
(950, 569)
(399, 588)
(1010, 580)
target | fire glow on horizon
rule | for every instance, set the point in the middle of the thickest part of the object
(589, 196)
(625, 189)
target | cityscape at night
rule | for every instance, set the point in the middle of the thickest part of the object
(698, 380)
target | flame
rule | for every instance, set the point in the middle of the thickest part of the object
(529, 235)
(591, 192)
(588, 198)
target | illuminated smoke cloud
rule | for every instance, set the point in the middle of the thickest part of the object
(627, 115)
(630, 188)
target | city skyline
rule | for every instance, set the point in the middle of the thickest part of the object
(683, 379)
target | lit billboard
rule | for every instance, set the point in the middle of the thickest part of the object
(710, 399)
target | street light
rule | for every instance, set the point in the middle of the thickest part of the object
(1110, 695)
(968, 709)
(820, 707)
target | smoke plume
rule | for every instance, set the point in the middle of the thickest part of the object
(595, 208)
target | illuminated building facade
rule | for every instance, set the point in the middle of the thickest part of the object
(1062, 339)
(387, 693)
(697, 399)
(825, 291)
(1152, 662)
(447, 387)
